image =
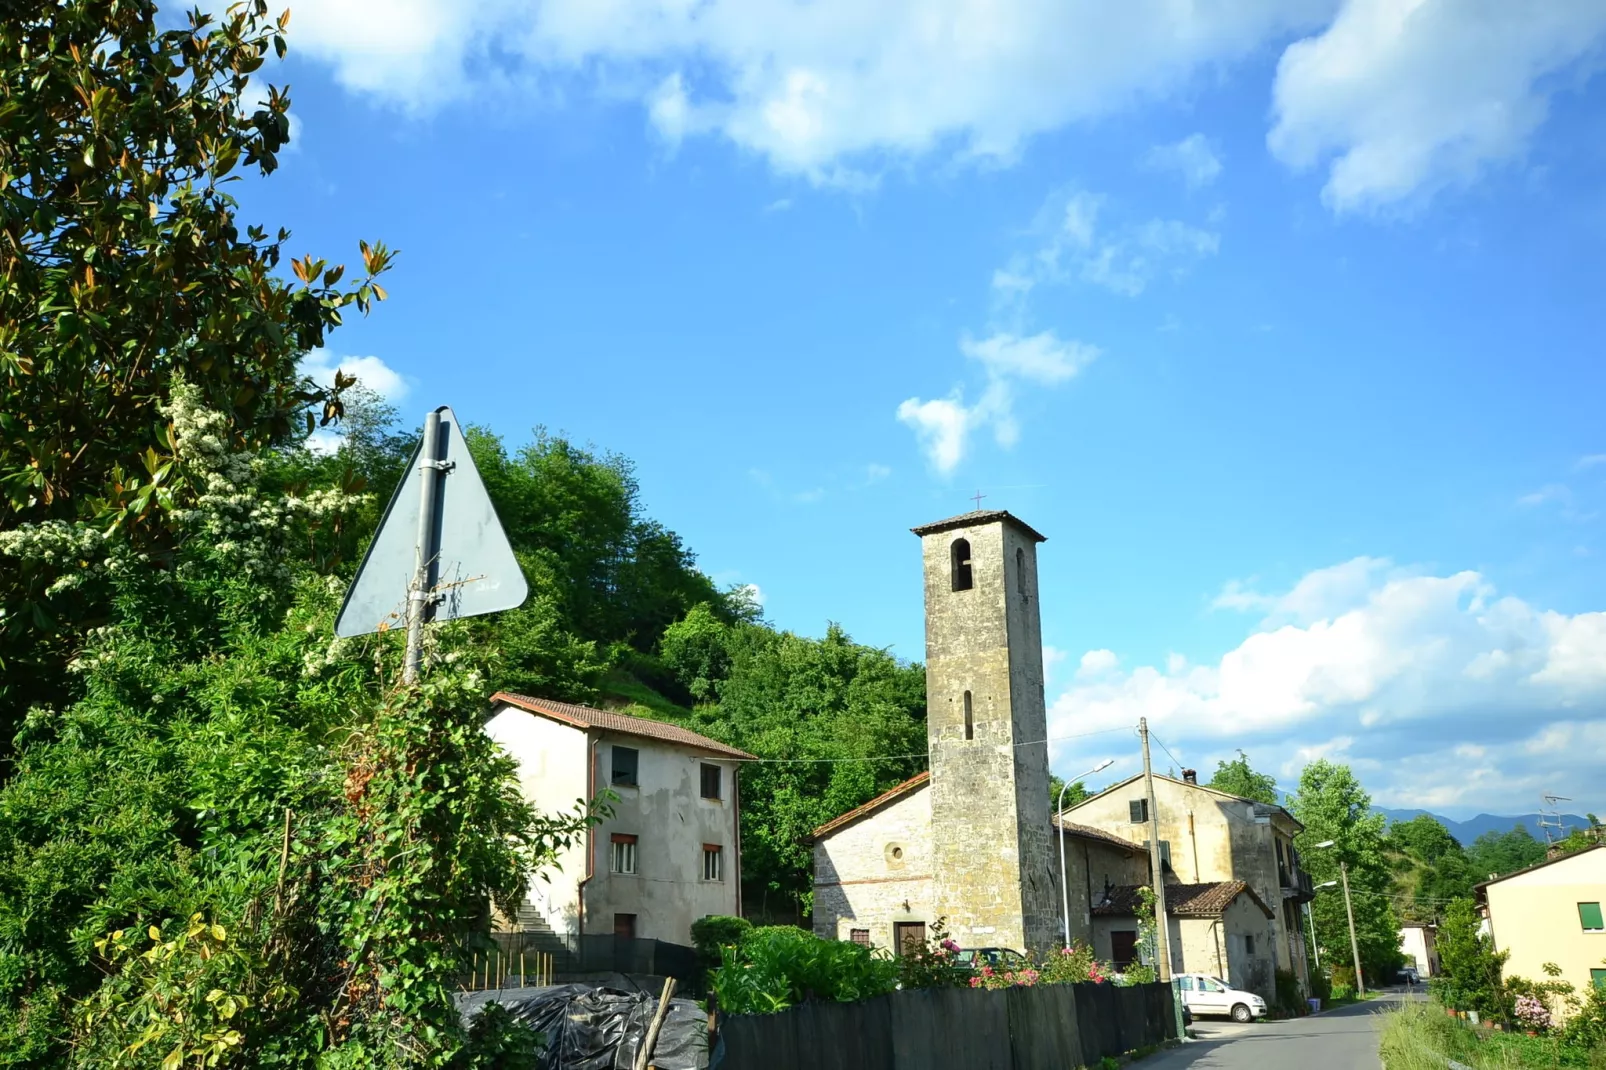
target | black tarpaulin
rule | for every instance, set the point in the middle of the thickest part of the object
(599, 1028)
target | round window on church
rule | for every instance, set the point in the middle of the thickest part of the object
(895, 854)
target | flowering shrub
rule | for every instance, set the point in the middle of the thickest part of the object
(933, 963)
(1532, 1013)
(1073, 965)
(995, 979)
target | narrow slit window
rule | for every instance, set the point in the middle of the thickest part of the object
(970, 720)
(961, 563)
(1020, 572)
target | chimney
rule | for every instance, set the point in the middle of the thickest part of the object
(1190, 776)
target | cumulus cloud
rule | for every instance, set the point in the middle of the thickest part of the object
(1440, 690)
(1399, 100)
(944, 426)
(1193, 158)
(815, 88)
(371, 372)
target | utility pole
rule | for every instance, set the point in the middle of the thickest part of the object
(1162, 939)
(1354, 946)
(1310, 918)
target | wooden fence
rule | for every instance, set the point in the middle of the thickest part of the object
(1057, 1026)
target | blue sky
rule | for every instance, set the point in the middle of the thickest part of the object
(1281, 320)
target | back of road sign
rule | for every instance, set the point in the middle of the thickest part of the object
(474, 571)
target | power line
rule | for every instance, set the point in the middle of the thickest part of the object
(922, 754)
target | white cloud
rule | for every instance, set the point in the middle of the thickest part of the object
(1406, 675)
(1096, 663)
(1401, 98)
(944, 426)
(1077, 245)
(1550, 492)
(812, 87)
(1041, 358)
(1193, 158)
(1590, 461)
(875, 473)
(371, 372)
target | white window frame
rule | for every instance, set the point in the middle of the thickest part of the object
(623, 858)
(713, 863)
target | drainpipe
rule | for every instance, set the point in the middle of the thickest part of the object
(591, 850)
(736, 805)
(1193, 839)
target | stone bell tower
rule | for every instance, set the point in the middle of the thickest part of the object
(986, 730)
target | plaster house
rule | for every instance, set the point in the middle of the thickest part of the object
(1552, 912)
(1208, 837)
(1418, 945)
(971, 842)
(668, 856)
(1220, 928)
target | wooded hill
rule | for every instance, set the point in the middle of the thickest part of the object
(620, 616)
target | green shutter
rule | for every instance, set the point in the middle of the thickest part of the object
(1598, 979)
(1589, 914)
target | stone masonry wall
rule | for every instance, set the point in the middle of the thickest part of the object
(876, 872)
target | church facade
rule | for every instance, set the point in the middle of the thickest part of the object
(972, 841)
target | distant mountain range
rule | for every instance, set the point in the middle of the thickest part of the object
(1471, 829)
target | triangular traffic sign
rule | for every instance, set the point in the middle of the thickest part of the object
(474, 570)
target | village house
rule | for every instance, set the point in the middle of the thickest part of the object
(1551, 912)
(667, 857)
(1418, 943)
(1240, 876)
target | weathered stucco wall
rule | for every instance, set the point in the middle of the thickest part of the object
(994, 875)
(552, 760)
(672, 822)
(876, 872)
(1211, 837)
(1091, 867)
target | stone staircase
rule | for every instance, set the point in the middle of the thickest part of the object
(538, 936)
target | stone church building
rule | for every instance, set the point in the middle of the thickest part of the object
(973, 840)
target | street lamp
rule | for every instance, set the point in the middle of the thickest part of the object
(1349, 912)
(1065, 890)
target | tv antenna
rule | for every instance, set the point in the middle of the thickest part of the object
(1550, 816)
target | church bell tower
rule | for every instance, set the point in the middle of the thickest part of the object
(987, 730)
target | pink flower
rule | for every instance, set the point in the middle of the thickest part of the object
(949, 945)
(975, 982)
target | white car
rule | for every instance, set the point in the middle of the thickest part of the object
(1203, 994)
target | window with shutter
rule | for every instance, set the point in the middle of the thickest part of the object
(860, 937)
(1589, 915)
(1139, 810)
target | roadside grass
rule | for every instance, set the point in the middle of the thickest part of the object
(1420, 1036)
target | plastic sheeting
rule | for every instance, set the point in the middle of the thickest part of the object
(589, 1027)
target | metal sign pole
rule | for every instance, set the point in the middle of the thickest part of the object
(419, 594)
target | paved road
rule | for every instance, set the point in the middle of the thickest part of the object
(1345, 1039)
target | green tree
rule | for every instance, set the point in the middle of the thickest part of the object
(1494, 854)
(124, 264)
(1073, 795)
(1423, 837)
(817, 708)
(245, 845)
(1469, 966)
(1237, 777)
(1332, 805)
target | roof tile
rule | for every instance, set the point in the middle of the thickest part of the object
(623, 723)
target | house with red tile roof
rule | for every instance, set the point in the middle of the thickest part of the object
(669, 854)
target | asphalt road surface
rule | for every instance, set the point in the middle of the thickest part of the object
(1345, 1039)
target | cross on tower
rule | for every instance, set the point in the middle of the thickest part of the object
(977, 497)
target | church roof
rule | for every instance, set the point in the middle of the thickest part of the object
(914, 783)
(622, 723)
(978, 516)
(1183, 900)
